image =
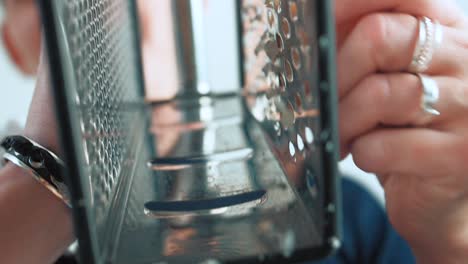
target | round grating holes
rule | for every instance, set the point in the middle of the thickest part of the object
(302, 35)
(292, 150)
(279, 42)
(286, 28)
(309, 135)
(282, 82)
(296, 58)
(293, 12)
(289, 71)
(300, 143)
(272, 20)
(298, 100)
(277, 5)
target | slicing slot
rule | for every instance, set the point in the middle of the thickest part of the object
(212, 206)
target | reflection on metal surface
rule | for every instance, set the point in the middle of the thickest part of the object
(292, 149)
(183, 162)
(213, 160)
(284, 239)
(104, 99)
(281, 64)
(188, 210)
(228, 121)
(215, 163)
(300, 143)
(219, 205)
(309, 135)
(312, 184)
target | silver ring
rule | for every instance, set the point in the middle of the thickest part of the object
(429, 39)
(431, 94)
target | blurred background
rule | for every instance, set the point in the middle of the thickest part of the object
(17, 89)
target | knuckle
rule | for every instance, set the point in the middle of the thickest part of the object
(457, 65)
(374, 29)
(377, 90)
(460, 96)
(411, 94)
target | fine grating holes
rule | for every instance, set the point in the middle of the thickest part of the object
(100, 41)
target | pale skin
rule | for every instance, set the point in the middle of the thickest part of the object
(36, 226)
(419, 159)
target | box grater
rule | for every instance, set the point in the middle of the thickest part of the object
(203, 177)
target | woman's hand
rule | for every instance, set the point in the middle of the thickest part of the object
(420, 159)
(36, 226)
(21, 34)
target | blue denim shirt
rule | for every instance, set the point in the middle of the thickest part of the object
(368, 234)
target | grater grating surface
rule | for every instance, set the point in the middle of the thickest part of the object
(100, 34)
(281, 66)
(103, 88)
(206, 150)
(282, 76)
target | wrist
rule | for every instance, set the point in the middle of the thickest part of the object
(42, 164)
(41, 125)
(32, 218)
(47, 140)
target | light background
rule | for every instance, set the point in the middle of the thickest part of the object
(16, 89)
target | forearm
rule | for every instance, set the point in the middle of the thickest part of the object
(35, 226)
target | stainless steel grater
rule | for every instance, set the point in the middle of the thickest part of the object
(206, 176)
